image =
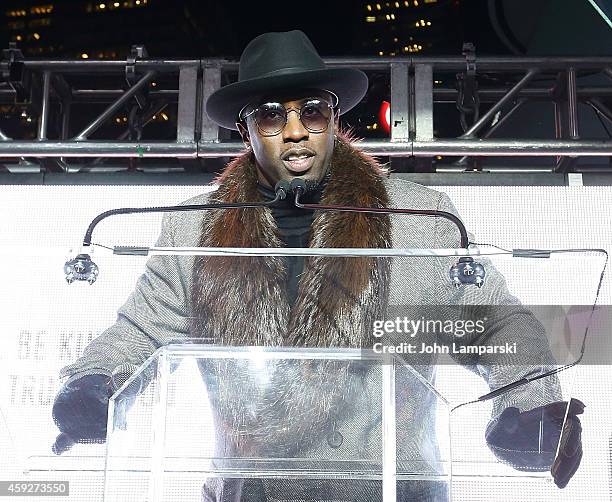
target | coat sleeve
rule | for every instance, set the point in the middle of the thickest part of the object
(507, 320)
(153, 315)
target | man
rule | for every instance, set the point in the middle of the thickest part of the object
(286, 105)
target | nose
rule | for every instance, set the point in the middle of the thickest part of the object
(294, 130)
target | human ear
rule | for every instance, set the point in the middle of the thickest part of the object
(336, 119)
(244, 134)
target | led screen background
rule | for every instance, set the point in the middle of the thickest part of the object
(46, 323)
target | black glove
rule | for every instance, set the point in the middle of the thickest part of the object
(514, 437)
(80, 411)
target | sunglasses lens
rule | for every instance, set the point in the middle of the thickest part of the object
(270, 117)
(315, 115)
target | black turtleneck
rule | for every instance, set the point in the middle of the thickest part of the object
(294, 228)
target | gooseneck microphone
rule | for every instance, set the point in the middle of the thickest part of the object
(465, 271)
(82, 267)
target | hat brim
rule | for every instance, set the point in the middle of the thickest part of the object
(349, 84)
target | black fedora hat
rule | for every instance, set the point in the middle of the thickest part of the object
(278, 62)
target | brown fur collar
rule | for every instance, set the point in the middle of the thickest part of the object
(242, 300)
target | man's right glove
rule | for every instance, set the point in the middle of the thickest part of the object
(80, 411)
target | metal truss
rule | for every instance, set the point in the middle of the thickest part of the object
(412, 90)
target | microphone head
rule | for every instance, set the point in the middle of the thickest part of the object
(281, 189)
(299, 186)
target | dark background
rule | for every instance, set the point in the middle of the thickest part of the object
(194, 28)
(85, 29)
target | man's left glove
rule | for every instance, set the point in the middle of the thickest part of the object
(528, 440)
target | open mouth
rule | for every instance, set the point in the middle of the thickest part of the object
(298, 161)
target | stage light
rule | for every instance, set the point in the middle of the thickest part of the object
(384, 116)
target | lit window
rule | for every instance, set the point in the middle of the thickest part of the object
(369, 8)
(395, 39)
(36, 36)
(116, 4)
(416, 3)
(381, 53)
(428, 23)
(406, 4)
(370, 19)
(18, 38)
(396, 4)
(84, 56)
(378, 6)
(102, 6)
(392, 16)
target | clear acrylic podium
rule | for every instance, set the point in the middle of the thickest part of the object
(198, 419)
(283, 415)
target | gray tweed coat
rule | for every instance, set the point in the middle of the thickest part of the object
(241, 303)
